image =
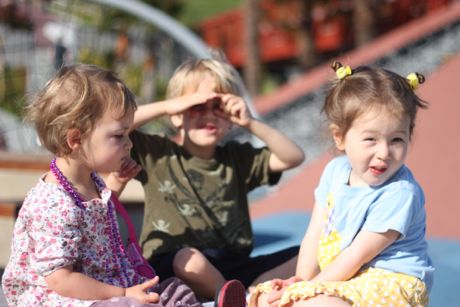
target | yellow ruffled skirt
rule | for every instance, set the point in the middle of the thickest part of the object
(370, 287)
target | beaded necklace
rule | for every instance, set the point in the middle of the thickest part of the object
(116, 243)
(64, 182)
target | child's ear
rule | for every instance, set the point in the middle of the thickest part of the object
(73, 138)
(338, 137)
(177, 120)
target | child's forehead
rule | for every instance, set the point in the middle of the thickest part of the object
(380, 114)
(116, 118)
(202, 82)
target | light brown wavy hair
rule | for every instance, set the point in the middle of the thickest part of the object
(75, 98)
(188, 75)
(367, 88)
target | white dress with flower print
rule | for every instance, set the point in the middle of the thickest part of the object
(52, 232)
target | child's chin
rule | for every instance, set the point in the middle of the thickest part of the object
(378, 182)
(208, 139)
(208, 143)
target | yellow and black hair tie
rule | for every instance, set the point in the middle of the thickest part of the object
(340, 70)
(415, 79)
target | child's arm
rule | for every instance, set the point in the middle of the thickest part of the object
(366, 246)
(285, 153)
(147, 112)
(68, 283)
(307, 264)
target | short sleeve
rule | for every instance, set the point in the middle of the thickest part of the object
(55, 231)
(253, 164)
(330, 174)
(393, 210)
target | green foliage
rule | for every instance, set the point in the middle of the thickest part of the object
(89, 56)
(12, 89)
(132, 75)
(195, 11)
(171, 7)
(160, 84)
(268, 84)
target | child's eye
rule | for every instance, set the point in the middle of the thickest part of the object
(369, 139)
(118, 136)
(216, 106)
(398, 140)
(198, 108)
(216, 103)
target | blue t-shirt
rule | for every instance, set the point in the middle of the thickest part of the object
(398, 204)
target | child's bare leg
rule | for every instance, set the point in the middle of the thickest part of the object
(197, 272)
(321, 300)
(283, 271)
(262, 300)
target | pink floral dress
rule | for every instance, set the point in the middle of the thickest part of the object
(52, 232)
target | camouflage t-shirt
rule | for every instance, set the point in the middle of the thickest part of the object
(194, 202)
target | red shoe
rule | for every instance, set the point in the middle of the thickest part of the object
(232, 294)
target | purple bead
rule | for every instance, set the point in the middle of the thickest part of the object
(116, 244)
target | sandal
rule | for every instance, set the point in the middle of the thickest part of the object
(232, 294)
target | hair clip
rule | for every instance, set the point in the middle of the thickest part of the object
(415, 79)
(340, 70)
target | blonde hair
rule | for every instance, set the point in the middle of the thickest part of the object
(367, 88)
(75, 99)
(188, 75)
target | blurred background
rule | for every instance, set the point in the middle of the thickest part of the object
(282, 50)
(270, 42)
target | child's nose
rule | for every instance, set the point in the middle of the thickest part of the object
(210, 108)
(383, 151)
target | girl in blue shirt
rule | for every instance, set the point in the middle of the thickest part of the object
(365, 244)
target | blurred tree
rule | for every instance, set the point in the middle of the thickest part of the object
(364, 17)
(173, 8)
(252, 63)
(16, 15)
(2, 68)
(307, 53)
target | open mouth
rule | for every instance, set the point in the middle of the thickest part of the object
(378, 170)
(209, 127)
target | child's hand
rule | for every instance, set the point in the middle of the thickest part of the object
(279, 285)
(235, 109)
(290, 281)
(116, 181)
(129, 169)
(274, 296)
(182, 103)
(140, 292)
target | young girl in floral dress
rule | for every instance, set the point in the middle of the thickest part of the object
(66, 248)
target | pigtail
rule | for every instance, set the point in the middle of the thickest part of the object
(341, 71)
(415, 79)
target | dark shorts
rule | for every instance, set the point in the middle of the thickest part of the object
(232, 266)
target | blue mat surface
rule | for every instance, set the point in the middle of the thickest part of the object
(286, 229)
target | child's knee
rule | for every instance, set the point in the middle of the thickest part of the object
(188, 260)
